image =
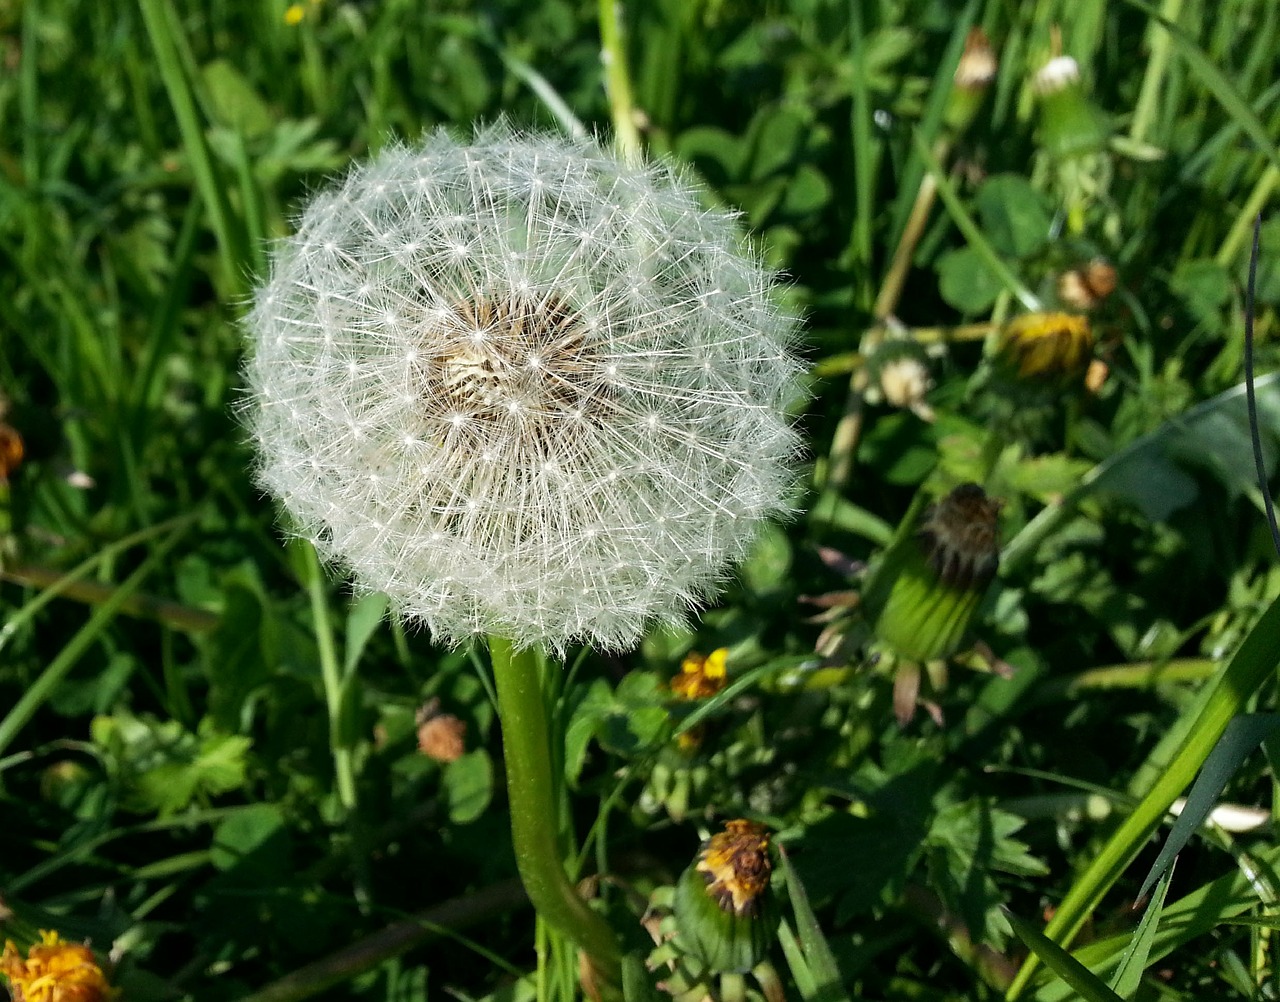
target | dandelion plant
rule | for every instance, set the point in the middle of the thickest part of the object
(533, 393)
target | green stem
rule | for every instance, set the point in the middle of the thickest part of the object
(1243, 225)
(1161, 47)
(331, 674)
(531, 793)
(617, 79)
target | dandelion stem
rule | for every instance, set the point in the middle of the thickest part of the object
(617, 79)
(332, 676)
(532, 796)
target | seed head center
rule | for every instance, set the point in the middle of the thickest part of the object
(499, 358)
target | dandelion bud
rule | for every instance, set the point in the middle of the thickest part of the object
(1070, 125)
(523, 387)
(934, 579)
(974, 73)
(724, 908)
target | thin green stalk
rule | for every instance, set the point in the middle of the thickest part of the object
(1161, 47)
(865, 158)
(53, 587)
(331, 673)
(970, 230)
(531, 792)
(1243, 225)
(617, 78)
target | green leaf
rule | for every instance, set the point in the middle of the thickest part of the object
(815, 964)
(965, 281)
(769, 564)
(233, 101)
(1204, 285)
(255, 837)
(1148, 472)
(468, 786)
(1014, 215)
(362, 622)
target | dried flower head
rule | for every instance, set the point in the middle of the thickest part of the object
(54, 971)
(1085, 288)
(523, 388)
(441, 736)
(978, 63)
(736, 866)
(905, 382)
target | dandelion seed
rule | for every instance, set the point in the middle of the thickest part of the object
(605, 436)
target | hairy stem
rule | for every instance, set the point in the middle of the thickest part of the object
(531, 793)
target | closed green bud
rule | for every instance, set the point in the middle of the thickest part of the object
(1070, 124)
(974, 73)
(933, 579)
(725, 911)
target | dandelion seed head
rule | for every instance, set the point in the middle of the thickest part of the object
(527, 389)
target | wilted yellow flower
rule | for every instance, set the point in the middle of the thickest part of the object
(701, 676)
(54, 971)
(737, 867)
(1047, 344)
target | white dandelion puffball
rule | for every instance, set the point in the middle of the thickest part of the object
(523, 387)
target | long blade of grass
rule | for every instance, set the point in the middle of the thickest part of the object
(1191, 916)
(1125, 981)
(816, 958)
(1242, 736)
(232, 250)
(1088, 985)
(86, 566)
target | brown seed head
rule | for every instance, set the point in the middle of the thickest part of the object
(961, 537)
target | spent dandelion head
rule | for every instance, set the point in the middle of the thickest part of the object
(524, 388)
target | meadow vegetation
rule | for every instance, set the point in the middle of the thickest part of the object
(1016, 237)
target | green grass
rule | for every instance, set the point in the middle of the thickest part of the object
(208, 760)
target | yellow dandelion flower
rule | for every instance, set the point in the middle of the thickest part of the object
(54, 971)
(294, 14)
(1047, 344)
(701, 676)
